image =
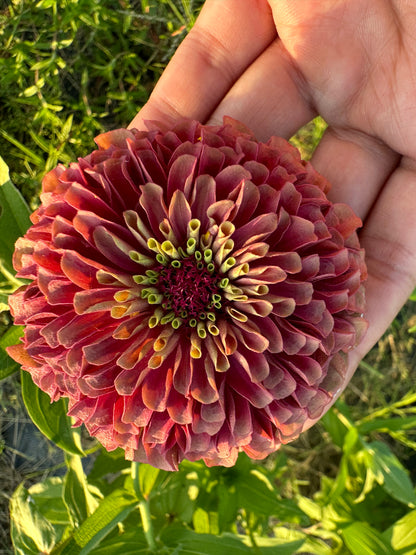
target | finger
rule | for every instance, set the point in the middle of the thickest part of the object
(356, 165)
(227, 36)
(270, 97)
(389, 239)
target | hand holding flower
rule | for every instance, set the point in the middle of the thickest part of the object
(276, 64)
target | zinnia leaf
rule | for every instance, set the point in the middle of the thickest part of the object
(402, 534)
(389, 472)
(128, 542)
(188, 542)
(14, 217)
(7, 365)
(31, 532)
(50, 418)
(363, 539)
(112, 510)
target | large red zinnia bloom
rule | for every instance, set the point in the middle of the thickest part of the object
(194, 293)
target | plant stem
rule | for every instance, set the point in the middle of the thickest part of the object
(147, 524)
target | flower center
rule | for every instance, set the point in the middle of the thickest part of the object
(189, 288)
(186, 286)
(190, 285)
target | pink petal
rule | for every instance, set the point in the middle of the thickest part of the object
(256, 230)
(181, 175)
(152, 200)
(179, 216)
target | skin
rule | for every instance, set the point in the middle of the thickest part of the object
(274, 65)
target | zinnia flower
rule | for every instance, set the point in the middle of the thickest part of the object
(194, 293)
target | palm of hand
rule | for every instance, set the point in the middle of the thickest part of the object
(359, 72)
(357, 60)
(275, 65)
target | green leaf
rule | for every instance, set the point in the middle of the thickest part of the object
(256, 494)
(200, 520)
(50, 418)
(188, 542)
(388, 424)
(318, 546)
(389, 472)
(31, 532)
(402, 534)
(77, 497)
(48, 498)
(34, 89)
(310, 507)
(14, 217)
(130, 542)
(205, 522)
(38, 516)
(4, 305)
(350, 443)
(45, 4)
(362, 539)
(106, 463)
(112, 510)
(335, 428)
(227, 505)
(368, 485)
(66, 128)
(289, 511)
(147, 478)
(144, 478)
(26, 152)
(7, 365)
(175, 498)
(284, 542)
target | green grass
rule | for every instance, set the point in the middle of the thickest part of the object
(71, 69)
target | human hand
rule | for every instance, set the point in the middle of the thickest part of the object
(274, 66)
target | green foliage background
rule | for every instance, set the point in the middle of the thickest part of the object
(70, 69)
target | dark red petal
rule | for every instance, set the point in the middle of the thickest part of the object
(256, 394)
(181, 175)
(153, 202)
(179, 216)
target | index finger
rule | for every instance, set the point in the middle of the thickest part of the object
(227, 36)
